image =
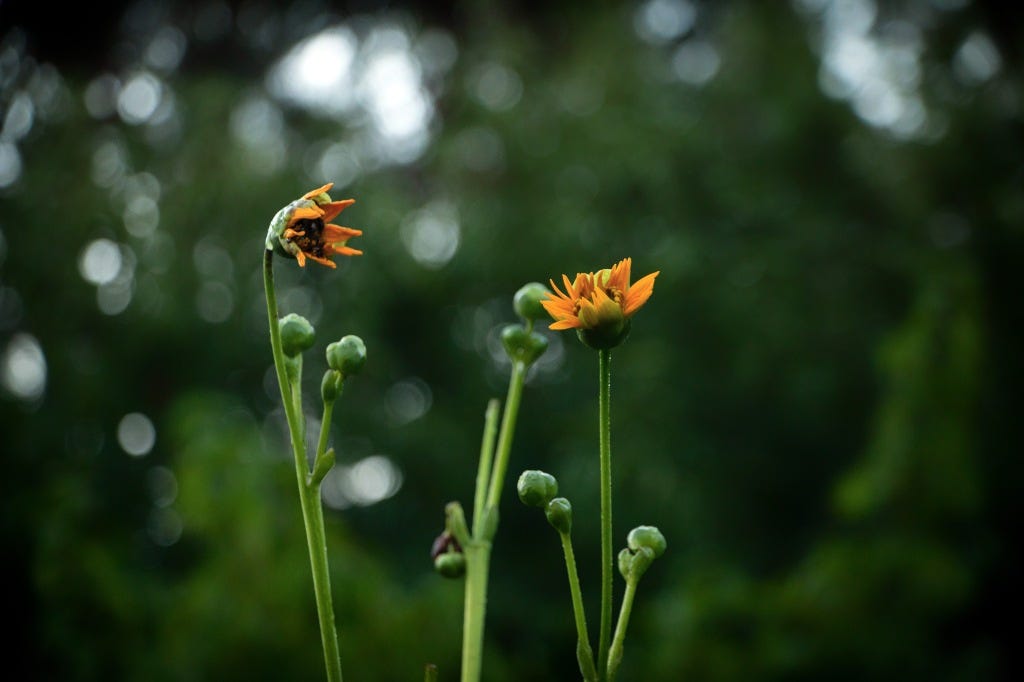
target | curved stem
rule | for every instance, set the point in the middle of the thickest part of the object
(604, 427)
(584, 654)
(615, 654)
(309, 493)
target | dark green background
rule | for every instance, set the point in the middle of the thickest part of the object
(819, 406)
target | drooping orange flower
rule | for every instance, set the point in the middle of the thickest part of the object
(303, 229)
(596, 300)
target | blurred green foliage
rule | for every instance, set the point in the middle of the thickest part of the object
(816, 407)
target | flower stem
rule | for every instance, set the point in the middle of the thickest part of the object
(508, 425)
(485, 524)
(584, 654)
(309, 492)
(478, 559)
(615, 655)
(483, 475)
(604, 427)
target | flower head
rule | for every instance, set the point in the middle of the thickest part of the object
(303, 229)
(599, 304)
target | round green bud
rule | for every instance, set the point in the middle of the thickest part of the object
(649, 537)
(605, 336)
(523, 345)
(450, 564)
(330, 386)
(559, 514)
(536, 488)
(625, 563)
(347, 355)
(297, 334)
(527, 301)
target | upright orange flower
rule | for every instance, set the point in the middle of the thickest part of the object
(599, 305)
(303, 229)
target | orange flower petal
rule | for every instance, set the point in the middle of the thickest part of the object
(316, 192)
(301, 257)
(332, 209)
(565, 324)
(306, 213)
(337, 232)
(639, 292)
(321, 261)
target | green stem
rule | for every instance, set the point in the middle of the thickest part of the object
(584, 654)
(508, 425)
(478, 552)
(309, 493)
(615, 655)
(478, 559)
(483, 474)
(325, 432)
(604, 426)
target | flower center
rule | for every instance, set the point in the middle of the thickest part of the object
(614, 294)
(312, 242)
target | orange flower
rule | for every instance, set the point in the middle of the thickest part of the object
(601, 302)
(303, 229)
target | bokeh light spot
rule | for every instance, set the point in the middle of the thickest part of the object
(432, 235)
(24, 368)
(136, 434)
(407, 400)
(214, 302)
(139, 98)
(100, 261)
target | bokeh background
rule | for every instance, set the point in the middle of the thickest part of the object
(819, 406)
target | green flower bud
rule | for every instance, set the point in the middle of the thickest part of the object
(625, 563)
(297, 334)
(649, 537)
(450, 564)
(527, 301)
(536, 488)
(606, 335)
(522, 345)
(559, 513)
(347, 355)
(331, 385)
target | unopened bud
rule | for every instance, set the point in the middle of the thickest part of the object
(450, 564)
(330, 386)
(649, 537)
(536, 488)
(559, 514)
(523, 345)
(527, 301)
(347, 355)
(297, 334)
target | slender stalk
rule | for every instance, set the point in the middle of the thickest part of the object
(483, 474)
(485, 524)
(325, 431)
(478, 559)
(615, 655)
(584, 654)
(508, 426)
(309, 493)
(604, 427)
